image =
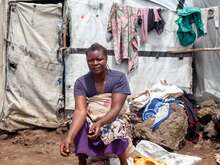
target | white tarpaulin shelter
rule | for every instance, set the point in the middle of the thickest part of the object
(88, 24)
(32, 71)
(172, 4)
(3, 27)
(208, 63)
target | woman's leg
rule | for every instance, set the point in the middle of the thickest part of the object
(128, 152)
(82, 159)
(123, 158)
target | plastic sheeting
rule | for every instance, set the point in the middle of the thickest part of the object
(155, 151)
(88, 22)
(172, 4)
(34, 71)
(87, 16)
(3, 30)
(208, 63)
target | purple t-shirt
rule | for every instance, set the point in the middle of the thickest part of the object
(116, 82)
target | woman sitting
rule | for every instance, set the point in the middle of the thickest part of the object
(94, 132)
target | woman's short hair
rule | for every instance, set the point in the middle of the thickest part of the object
(97, 46)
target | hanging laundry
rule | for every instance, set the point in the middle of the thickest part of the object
(185, 32)
(150, 19)
(159, 21)
(122, 26)
(143, 22)
(210, 13)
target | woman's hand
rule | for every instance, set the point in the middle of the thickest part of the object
(66, 146)
(94, 131)
(78, 119)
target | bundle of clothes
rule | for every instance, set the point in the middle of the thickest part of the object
(163, 114)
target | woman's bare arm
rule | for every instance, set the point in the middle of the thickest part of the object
(78, 120)
(118, 100)
(79, 116)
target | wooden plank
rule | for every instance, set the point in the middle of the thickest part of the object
(177, 51)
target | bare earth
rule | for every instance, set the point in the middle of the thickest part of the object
(41, 147)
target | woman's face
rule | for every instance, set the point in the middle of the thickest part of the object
(96, 61)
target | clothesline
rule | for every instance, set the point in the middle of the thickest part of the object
(72, 51)
(148, 53)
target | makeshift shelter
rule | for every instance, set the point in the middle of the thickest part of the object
(207, 78)
(3, 27)
(33, 71)
(87, 18)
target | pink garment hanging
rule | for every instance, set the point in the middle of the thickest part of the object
(122, 26)
(143, 14)
(156, 15)
(149, 19)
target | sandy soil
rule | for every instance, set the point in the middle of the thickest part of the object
(41, 147)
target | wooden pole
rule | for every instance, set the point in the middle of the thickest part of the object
(64, 39)
(177, 51)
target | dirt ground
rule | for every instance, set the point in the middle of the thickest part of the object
(41, 147)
